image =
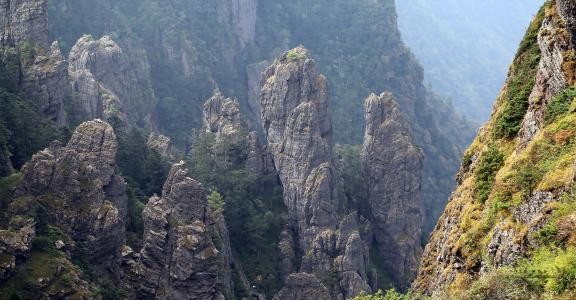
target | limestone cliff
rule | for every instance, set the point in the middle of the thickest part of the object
(298, 128)
(508, 227)
(392, 167)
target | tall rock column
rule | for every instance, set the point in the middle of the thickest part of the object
(297, 124)
(179, 259)
(392, 167)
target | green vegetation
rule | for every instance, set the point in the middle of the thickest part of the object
(560, 105)
(490, 162)
(296, 54)
(391, 295)
(519, 86)
(252, 206)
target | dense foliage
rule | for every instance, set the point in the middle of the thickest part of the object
(252, 206)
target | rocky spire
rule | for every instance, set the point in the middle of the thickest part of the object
(82, 193)
(392, 167)
(222, 116)
(297, 125)
(223, 119)
(179, 259)
(106, 82)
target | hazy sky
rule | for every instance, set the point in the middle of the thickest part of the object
(466, 46)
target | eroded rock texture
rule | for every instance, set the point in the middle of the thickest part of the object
(298, 128)
(15, 244)
(24, 21)
(222, 119)
(555, 70)
(179, 259)
(106, 83)
(81, 192)
(393, 172)
(46, 82)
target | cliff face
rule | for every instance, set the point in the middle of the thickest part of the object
(298, 127)
(179, 259)
(511, 215)
(24, 21)
(106, 83)
(392, 167)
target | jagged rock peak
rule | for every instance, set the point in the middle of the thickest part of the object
(91, 202)
(109, 83)
(24, 21)
(179, 259)
(222, 115)
(296, 120)
(392, 167)
(287, 85)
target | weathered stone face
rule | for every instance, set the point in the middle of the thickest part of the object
(297, 125)
(24, 21)
(109, 84)
(392, 167)
(79, 187)
(179, 259)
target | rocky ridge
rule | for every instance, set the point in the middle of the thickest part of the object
(513, 193)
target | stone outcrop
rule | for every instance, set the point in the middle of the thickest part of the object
(15, 244)
(392, 168)
(163, 145)
(42, 70)
(298, 128)
(222, 118)
(106, 84)
(555, 70)
(478, 234)
(179, 259)
(24, 21)
(82, 193)
(46, 82)
(303, 286)
(244, 20)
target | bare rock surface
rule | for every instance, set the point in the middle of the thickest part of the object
(393, 171)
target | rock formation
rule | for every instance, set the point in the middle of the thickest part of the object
(222, 118)
(298, 128)
(179, 259)
(81, 191)
(46, 82)
(15, 245)
(24, 21)
(41, 70)
(393, 169)
(106, 84)
(555, 68)
(512, 188)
